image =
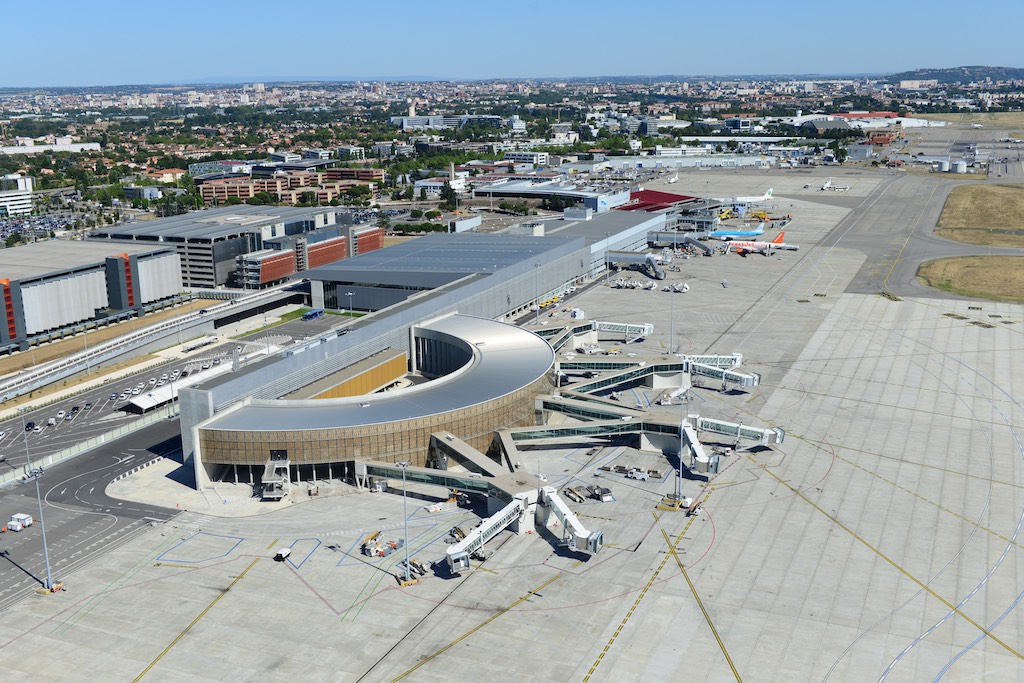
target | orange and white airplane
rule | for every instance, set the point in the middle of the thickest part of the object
(744, 247)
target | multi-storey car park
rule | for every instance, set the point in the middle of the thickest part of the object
(51, 289)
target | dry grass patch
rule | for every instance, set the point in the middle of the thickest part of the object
(1004, 118)
(990, 215)
(59, 349)
(998, 278)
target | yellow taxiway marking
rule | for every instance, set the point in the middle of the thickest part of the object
(636, 603)
(707, 617)
(890, 561)
(195, 621)
(479, 626)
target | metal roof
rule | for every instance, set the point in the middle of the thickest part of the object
(609, 223)
(434, 256)
(505, 358)
(212, 223)
(54, 257)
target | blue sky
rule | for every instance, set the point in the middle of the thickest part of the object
(78, 43)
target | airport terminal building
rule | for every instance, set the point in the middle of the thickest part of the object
(436, 351)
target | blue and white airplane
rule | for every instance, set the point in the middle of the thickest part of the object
(726, 235)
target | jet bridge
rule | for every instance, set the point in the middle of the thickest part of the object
(460, 553)
(764, 436)
(574, 534)
(630, 331)
(743, 379)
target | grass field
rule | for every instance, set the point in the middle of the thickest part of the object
(999, 118)
(977, 214)
(998, 278)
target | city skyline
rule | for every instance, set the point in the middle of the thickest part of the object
(205, 43)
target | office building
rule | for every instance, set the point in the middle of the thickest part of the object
(15, 195)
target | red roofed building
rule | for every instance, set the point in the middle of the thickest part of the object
(653, 200)
(869, 115)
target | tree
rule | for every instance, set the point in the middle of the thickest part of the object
(233, 201)
(423, 194)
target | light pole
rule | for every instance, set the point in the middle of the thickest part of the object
(36, 474)
(536, 291)
(404, 464)
(607, 236)
(85, 347)
(24, 431)
(349, 295)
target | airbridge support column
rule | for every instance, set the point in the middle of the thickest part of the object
(658, 443)
(667, 380)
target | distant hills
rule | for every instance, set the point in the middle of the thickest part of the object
(960, 74)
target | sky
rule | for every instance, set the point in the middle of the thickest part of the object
(114, 42)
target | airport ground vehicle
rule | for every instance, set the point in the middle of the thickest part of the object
(19, 521)
(639, 475)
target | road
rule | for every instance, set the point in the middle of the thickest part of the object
(81, 520)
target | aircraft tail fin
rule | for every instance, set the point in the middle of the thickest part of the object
(768, 194)
(778, 239)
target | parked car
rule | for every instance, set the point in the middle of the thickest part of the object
(61, 414)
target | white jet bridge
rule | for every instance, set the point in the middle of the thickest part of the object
(515, 512)
(574, 535)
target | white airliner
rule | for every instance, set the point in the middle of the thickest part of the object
(745, 200)
(744, 247)
(831, 185)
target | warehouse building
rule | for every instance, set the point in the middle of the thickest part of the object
(50, 288)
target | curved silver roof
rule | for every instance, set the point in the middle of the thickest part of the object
(504, 359)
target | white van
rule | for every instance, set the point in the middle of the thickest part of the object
(51, 422)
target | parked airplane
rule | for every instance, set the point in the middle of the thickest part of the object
(727, 235)
(743, 247)
(745, 200)
(831, 185)
(673, 179)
